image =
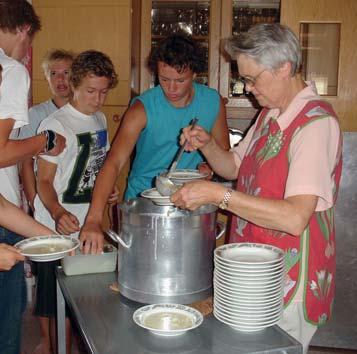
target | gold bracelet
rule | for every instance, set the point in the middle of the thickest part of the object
(227, 196)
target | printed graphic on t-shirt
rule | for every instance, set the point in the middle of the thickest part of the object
(90, 158)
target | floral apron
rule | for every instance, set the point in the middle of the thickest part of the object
(263, 172)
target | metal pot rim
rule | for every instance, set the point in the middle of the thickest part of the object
(143, 206)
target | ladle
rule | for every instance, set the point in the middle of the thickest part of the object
(163, 183)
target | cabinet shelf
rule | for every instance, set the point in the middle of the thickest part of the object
(207, 22)
(156, 37)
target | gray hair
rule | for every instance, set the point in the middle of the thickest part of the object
(270, 45)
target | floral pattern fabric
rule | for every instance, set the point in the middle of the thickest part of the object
(264, 172)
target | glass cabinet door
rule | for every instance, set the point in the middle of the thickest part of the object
(197, 18)
(188, 17)
(241, 16)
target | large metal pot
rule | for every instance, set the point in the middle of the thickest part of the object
(165, 253)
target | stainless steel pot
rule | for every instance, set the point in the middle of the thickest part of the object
(165, 253)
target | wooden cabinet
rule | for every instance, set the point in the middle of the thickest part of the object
(238, 16)
(208, 22)
(297, 13)
(156, 19)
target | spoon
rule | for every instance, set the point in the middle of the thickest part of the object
(165, 186)
(163, 183)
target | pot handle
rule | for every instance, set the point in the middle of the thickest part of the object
(116, 238)
(223, 227)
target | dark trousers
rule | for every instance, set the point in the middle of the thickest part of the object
(12, 300)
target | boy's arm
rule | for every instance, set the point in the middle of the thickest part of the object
(66, 223)
(16, 220)
(13, 151)
(124, 142)
(28, 179)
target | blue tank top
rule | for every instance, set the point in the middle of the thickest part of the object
(159, 141)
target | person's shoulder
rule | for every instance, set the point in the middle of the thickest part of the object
(205, 90)
(58, 115)
(41, 107)
(12, 66)
(147, 95)
(51, 122)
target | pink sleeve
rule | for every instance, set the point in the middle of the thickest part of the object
(312, 158)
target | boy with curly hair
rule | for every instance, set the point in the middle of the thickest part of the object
(65, 182)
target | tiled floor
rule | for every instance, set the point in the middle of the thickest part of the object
(31, 336)
(31, 332)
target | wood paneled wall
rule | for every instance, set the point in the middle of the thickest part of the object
(79, 25)
(345, 12)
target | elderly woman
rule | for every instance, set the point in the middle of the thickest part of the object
(288, 169)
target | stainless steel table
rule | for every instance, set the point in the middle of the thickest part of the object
(104, 319)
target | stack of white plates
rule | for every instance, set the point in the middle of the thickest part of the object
(248, 285)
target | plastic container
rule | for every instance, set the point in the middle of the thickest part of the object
(91, 263)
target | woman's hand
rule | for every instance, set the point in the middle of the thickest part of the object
(195, 194)
(196, 138)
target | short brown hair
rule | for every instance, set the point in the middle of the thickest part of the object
(179, 51)
(18, 13)
(53, 55)
(92, 62)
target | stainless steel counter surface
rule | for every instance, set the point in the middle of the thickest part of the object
(105, 321)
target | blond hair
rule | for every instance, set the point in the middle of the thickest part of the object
(54, 55)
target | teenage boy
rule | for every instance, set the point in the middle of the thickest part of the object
(56, 66)
(14, 219)
(18, 26)
(65, 182)
(152, 125)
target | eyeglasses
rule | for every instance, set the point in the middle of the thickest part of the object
(251, 81)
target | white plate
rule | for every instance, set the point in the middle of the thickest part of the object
(250, 303)
(47, 248)
(249, 285)
(243, 326)
(234, 271)
(245, 287)
(167, 319)
(248, 319)
(249, 253)
(250, 296)
(250, 306)
(245, 322)
(185, 175)
(248, 269)
(239, 279)
(156, 197)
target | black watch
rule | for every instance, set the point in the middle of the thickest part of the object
(51, 137)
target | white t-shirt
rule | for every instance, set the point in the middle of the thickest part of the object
(13, 104)
(78, 165)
